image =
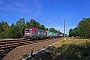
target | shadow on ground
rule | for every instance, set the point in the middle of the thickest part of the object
(65, 52)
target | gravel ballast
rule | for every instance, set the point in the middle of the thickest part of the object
(19, 52)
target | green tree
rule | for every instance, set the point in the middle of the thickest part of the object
(4, 29)
(53, 30)
(33, 23)
(5, 25)
(84, 28)
(21, 25)
(28, 24)
(72, 32)
(59, 32)
(1, 27)
(14, 32)
(43, 27)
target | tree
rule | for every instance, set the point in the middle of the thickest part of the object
(4, 29)
(42, 27)
(28, 24)
(53, 30)
(21, 25)
(5, 25)
(84, 28)
(1, 27)
(59, 32)
(13, 32)
(33, 23)
(72, 32)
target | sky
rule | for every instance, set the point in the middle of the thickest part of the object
(53, 12)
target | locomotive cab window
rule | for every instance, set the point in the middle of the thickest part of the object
(28, 30)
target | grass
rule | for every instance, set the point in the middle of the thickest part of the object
(69, 49)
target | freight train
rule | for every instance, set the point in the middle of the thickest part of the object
(35, 33)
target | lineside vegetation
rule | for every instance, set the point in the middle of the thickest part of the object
(82, 30)
(16, 30)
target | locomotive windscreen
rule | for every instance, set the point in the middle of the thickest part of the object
(28, 30)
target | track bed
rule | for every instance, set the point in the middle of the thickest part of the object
(23, 47)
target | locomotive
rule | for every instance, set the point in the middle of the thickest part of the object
(35, 33)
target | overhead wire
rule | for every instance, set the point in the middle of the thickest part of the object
(9, 13)
(56, 11)
(17, 8)
(33, 12)
(62, 15)
(14, 7)
(60, 8)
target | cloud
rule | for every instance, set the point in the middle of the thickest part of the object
(6, 5)
(73, 13)
(60, 28)
(38, 5)
(69, 6)
(87, 8)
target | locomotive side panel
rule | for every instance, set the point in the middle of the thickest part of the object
(34, 33)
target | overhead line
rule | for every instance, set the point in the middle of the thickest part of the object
(62, 16)
(9, 13)
(55, 11)
(10, 4)
(32, 11)
(60, 8)
(18, 8)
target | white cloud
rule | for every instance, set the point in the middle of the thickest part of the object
(73, 13)
(86, 8)
(69, 6)
(60, 28)
(38, 6)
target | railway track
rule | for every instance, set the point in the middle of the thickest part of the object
(8, 45)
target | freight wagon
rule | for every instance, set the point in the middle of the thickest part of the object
(50, 34)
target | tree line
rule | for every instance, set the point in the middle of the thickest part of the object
(82, 29)
(17, 30)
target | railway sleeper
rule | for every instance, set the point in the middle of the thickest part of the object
(4, 53)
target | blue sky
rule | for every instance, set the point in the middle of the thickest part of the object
(72, 11)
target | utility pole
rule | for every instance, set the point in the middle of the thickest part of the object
(64, 29)
(48, 26)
